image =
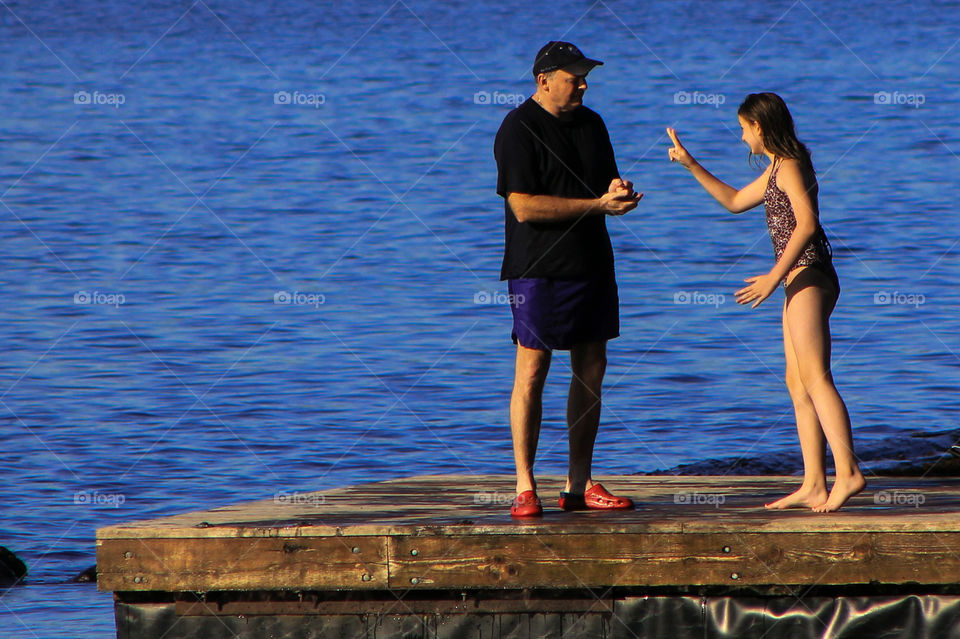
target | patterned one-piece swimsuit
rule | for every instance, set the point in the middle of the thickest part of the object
(781, 223)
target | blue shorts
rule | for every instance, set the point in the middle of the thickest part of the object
(553, 314)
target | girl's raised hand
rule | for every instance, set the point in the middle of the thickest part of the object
(677, 153)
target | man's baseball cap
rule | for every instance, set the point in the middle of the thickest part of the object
(562, 55)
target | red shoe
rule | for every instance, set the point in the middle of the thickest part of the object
(596, 498)
(526, 504)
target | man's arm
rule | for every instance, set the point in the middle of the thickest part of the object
(551, 208)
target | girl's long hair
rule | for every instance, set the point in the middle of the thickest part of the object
(776, 125)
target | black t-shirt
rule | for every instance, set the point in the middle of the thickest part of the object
(540, 154)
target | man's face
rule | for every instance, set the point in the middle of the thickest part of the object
(566, 90)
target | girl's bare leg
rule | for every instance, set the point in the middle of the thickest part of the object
(810, 301)
(813, 491)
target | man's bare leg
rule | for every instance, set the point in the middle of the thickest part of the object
(588, 362)
(526, 410)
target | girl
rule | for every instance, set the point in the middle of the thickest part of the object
(788, 190)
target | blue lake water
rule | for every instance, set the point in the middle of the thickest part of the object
(169, 171)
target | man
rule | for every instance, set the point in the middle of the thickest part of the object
(557, 174)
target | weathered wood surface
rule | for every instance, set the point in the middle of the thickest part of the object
(432, 532)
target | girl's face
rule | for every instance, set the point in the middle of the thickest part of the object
(751, 135)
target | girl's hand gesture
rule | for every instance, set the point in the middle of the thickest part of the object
(760, 288)
(677, 153)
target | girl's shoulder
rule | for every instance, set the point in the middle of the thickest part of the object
(769, 173)
(791, 172)
(788, 164)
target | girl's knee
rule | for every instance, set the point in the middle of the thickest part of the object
(815, 378)
(796, 387)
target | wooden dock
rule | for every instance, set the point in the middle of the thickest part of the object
(446, 545)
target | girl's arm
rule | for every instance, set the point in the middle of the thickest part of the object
(730, 198)
(790, 181)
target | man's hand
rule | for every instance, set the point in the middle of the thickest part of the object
(620, 198)
(617, 184)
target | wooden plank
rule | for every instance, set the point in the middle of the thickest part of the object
(590, 561)
(455, 532)
(479, 505)
(242, 564)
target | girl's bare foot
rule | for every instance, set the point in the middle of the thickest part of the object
(843, 489)
(805, 497)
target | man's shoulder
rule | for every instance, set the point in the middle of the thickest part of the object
(588, 115)
(520, 115)
(519, 127)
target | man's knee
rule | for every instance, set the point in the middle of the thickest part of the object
(595, 369)
(589, 364)
(532, 368)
